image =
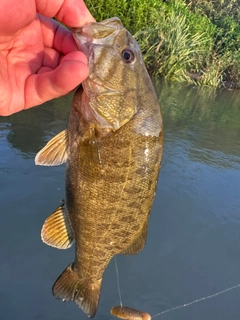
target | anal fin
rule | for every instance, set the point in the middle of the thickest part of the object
(57, 231)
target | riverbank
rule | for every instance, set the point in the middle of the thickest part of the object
(193, 41)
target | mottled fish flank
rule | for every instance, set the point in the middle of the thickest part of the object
(113, 149)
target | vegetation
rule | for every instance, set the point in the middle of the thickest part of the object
(195, 41)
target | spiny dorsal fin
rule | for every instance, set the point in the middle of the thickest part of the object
(56, 231)
(138, 243)
(55, 151)
(69, 287)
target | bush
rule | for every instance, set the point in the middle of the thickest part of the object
(194, 41)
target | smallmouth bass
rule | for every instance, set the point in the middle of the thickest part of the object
(113, 149)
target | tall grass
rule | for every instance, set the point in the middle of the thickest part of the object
(182, 40)
(135, 14)
(175, 50)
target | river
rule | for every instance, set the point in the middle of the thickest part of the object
(193, 246)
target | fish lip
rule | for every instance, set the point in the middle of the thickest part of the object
(82, 41)
(87, 38)
(87, 35)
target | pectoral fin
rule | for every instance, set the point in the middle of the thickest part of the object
(138, 243)
(57, 231)
(55, 151)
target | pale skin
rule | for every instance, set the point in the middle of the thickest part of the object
(39, 59)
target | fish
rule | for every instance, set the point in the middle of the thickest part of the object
(129, 313)
(112, 148)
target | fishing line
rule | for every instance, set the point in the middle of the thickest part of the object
(198, 300)
(118, 283)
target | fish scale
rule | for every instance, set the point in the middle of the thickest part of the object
(120, 189)
(113, 149)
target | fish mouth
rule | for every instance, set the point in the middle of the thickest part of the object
(96, 33)
(101, 95)
(87, 38)
(82, 40)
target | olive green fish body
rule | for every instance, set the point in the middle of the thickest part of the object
(109, 196)
(113, 149)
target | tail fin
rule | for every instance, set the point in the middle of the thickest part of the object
(68, 287)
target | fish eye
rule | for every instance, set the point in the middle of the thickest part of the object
(128, 55)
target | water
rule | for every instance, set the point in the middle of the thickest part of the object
(193, 247)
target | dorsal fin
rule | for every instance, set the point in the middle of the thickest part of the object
(57, 231)
(55, 151)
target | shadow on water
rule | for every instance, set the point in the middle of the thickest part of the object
(193, 247)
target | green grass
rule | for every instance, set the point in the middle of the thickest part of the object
(180, 39)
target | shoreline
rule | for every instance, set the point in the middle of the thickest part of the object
(186, 41)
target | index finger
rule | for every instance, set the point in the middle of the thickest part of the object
(57, 36)
(73, 13)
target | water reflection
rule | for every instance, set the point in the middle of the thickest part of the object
(209, 107)
(209, 118)
(28, 131)
(193, 246)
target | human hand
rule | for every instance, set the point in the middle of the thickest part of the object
(39, 59)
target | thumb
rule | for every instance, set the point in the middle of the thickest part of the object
(53, 84)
